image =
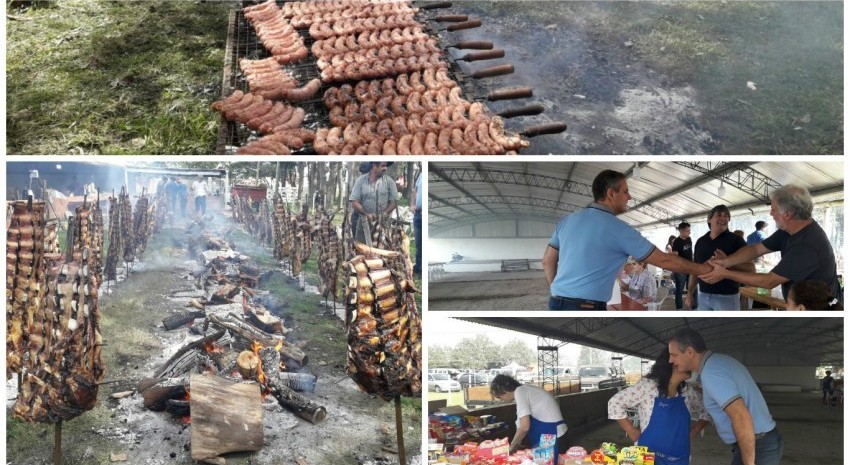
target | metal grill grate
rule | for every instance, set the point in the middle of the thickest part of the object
(244, 43)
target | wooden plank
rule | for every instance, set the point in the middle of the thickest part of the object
(226, 417)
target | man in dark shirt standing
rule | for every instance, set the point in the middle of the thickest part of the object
(826, 385)
(725, 294)
(682, 247)
(805, 248)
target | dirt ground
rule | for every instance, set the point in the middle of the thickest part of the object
(666, 77)
(527, 290)
(359, 428)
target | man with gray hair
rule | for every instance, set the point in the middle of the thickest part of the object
(732, 398)
(803, 244)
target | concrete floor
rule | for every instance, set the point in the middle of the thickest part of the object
(512, 290)
(813, 434)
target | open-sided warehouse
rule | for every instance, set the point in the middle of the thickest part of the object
(781, 354)
(490, 223)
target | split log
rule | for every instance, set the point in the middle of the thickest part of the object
(261, 318)
(156, 397)
(225, 293)
(176, 364)
(239, 326)
(180, 320)
(226, 417)
(308, 410)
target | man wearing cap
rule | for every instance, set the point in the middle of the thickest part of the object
(373, 193)
(805, 248)
(683, 247)
(589, 248)
(725, 294)
(732, 398)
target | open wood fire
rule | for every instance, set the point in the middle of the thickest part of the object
(242, 344)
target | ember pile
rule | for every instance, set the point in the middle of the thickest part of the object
(395, 94)
(241, 341)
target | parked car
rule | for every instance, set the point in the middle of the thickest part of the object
(562, 374)
(595, 377)
(474, 379)
(441, 382)
(525, 376)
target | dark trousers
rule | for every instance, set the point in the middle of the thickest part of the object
(681, 282)
(768, 449)
(827, 396)
(417, 236)
(201, 204)
(568, 303)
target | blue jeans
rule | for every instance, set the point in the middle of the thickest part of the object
(718, 301)
(417, 236)
(681, 282)
(768, 450)
(567, 303)
(201, 204)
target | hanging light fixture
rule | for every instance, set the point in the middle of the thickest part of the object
(721, 191)
(636, 171)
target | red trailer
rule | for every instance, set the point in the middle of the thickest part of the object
(255, 193)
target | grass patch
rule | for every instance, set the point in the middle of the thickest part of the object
(101, 77)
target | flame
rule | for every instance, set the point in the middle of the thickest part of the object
(187, 396)
(279, 345)
(211, 347)
(187, 420)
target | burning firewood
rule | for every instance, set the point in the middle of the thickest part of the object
(238, 326)
(308, 410)
(384, 330)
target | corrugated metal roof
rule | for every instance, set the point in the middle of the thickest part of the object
(777, 341)
(665, 192)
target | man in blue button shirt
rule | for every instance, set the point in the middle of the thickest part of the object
(759, 234)
(732, 398)
(589, 248)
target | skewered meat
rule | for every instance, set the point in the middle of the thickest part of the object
(112, 254)
(24, 278)
(63, 364)
(128, 236)
(384, 329)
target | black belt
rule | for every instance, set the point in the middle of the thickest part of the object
(762, 435)
(585, 303)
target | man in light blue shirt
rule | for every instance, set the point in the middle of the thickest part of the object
(589, 248)
(732, 398)
(759, 234)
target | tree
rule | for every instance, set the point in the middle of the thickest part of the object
(439, 356)
(592, 356)
(474, 353)
(517, 351)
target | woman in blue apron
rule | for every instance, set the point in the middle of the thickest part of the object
(537, 413)
(664, 405)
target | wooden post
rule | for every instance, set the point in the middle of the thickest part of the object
(399, 432)
(57, 443)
